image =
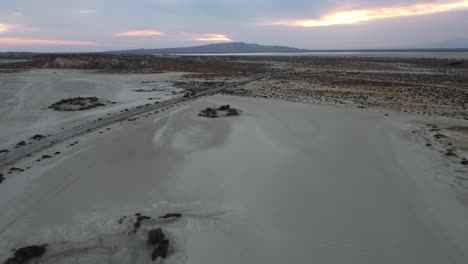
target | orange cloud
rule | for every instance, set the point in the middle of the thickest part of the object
(43, 42)
(361, 15)
(140, 33)
(211, 37)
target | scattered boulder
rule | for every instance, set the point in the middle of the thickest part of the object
(161, 250)
(155, 236)
(46, 156)
(464, 162)
(20, 144)
(439, 136)
(171, 215)
(37, 137)
(138, 221)
(451, 153)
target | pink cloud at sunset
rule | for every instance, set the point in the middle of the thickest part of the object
(7, 41)
(211, 37)
(140, 33)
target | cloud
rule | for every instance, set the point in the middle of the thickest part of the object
(210, 37)
(361, 15)
(140, 33)
(84, 12)
(4, 28)
(5, 41)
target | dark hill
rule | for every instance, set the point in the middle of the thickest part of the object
(234, 47)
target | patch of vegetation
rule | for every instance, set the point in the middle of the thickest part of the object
(209, 112)
(224, 107)
(224, 110)
(76, 104)
(232, 112)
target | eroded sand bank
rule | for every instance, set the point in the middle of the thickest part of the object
(284, 182)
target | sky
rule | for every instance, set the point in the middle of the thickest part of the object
(100, 25)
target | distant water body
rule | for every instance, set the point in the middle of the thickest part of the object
(10, 61)
(436, 55)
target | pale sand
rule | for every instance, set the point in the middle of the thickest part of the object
(282, 183)
(25, 97)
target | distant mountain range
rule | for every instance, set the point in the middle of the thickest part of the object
(234, 47)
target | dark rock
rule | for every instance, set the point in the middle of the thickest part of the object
(30, 252)
(143, 217)
(20, 144)
(464, 162)
(224, 107)
(209, 112)
(161, 250)
(450, 153)
(4, 151)
(46, 156)
(57, 153)
(138, 221)
(456, 63)
(15, 260)
(439, 136)
(232, 112)
(155, 236)
(428, 145)
(37, 137)
(172, 215)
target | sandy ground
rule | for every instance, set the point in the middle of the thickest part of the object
(25, 97)
(284, 182)
(414, 86)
